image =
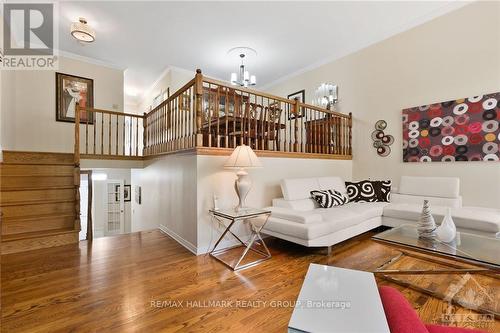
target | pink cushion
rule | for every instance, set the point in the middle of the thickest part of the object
(401, 317)
(446, 329)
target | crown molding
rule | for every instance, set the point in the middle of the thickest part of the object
(445, 9)
(89, 60)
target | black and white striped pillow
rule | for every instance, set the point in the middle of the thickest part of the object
(329, 198)
(362, 191)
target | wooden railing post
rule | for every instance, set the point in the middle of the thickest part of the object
(296, 125)
(198, 90)
(76, 172)
(144, 134)
(350, 134)
(77, 135)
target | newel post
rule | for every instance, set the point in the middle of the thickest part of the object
(144, 133)
(76, 171)
(77, 135)
(296, 125)
(350, 133)
(198, 90)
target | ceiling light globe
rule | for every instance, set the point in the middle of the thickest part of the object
(82, 31)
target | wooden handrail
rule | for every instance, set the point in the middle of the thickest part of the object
(124, 114)
(247, 90)
(317, 108)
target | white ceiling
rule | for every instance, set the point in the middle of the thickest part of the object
(147, 37)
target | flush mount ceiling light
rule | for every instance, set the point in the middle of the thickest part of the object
(82, 31)
(244, 79)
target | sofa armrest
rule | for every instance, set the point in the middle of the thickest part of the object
(295, 216)
(399, 198)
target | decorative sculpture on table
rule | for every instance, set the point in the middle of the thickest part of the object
(426, 225)
(447, 231)
(381, 141)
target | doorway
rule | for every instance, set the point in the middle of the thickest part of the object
(85, 205)
(111, 202)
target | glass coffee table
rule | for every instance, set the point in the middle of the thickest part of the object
(467, 247)
(469, 253)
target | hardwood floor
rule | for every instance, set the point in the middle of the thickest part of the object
(123, 284)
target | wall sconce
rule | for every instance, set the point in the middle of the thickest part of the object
(326, 96)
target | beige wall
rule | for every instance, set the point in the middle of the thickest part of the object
(212, 179)
(173, 78)
(177, 192)
(28, 105)
(453, 56)
(168, 197)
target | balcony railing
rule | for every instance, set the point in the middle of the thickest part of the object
(212, 116)
(108, 134)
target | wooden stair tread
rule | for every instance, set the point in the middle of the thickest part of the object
(37, 158)
(36, 188)
(37, 234)
(36, 175)
(37, 217)
(34, 202)
(38, 200)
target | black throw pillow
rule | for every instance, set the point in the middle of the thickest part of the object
(329, 198)
(382, 190)
(362, 191)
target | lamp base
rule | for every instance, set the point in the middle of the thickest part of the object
(242, 185)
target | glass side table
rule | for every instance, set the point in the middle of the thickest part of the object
(257, 219)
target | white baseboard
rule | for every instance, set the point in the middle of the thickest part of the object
(187, 244)
(193, 249)
(228, 242)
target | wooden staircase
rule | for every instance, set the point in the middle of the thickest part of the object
(39, 200)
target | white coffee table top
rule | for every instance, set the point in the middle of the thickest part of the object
(338, 300)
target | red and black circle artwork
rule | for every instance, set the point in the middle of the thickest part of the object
(466, 129)
(381, 141)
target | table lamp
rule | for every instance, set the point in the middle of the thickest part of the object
(242, 158)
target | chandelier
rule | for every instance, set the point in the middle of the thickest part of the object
(243, 77)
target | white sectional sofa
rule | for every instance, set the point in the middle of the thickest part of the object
(297, 218)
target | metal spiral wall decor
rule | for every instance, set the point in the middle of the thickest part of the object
(381, 141)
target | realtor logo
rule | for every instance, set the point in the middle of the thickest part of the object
(29, 36)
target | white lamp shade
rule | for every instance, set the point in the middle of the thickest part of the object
(243, 157)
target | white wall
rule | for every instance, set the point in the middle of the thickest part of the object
(99, 199)
(168, 197)
(453, 56)
(28, 106)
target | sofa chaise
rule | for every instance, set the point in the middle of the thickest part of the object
(298, 218)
